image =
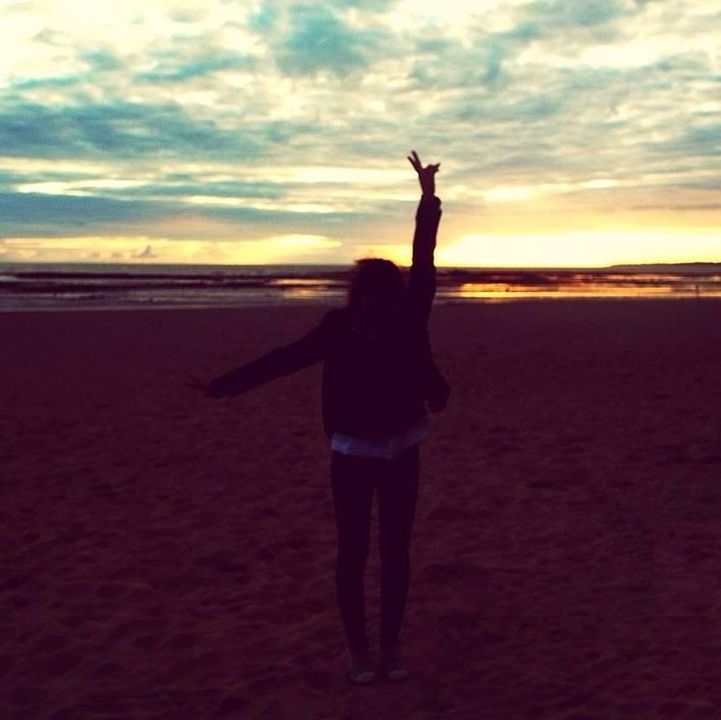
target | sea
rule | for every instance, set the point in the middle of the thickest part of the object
(85, 286)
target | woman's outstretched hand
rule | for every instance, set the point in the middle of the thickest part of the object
(202, 386)
(426, 175)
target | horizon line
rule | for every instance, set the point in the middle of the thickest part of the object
(143, 263)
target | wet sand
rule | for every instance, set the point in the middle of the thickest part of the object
(168, 556)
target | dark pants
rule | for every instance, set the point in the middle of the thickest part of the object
(355, 480)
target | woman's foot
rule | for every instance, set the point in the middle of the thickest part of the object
(360, 668)
(393, 667)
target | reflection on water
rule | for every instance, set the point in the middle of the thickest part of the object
(37, 286)
(510, 292)
(514, 285)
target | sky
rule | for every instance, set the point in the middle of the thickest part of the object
(569, 132)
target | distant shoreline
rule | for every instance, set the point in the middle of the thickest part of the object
(692, 267)
(73, 286)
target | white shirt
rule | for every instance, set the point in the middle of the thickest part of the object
(386, 448)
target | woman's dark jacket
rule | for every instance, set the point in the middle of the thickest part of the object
(372, 388)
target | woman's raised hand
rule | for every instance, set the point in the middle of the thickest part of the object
(426, 175)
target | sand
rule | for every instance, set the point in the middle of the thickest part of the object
(166, 556)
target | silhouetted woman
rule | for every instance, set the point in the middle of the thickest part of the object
(378, 376)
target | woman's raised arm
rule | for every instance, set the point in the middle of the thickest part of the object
(422, 281)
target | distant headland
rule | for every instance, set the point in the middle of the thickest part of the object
(691, 267)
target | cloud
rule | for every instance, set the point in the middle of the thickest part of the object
(8, 179)
(265, 18)
(101, 60)
(261, 249)
(117, 128)
(61, 81)
(172, 117)
(367, 5)
(147, 253)
(30, 214)
(443, 63)
(230, 189)
(170, 68)
(318, 40)
(56, 214)
(706, 138)
(583, 13)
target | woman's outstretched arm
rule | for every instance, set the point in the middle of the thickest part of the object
(422, 281)
(300, 354)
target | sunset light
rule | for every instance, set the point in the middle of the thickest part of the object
(581, 133)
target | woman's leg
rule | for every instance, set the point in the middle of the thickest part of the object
(352, 497)
(397, 496)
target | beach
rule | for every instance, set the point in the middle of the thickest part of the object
(165, 555)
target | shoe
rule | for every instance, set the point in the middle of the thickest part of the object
(360, 671)
(394, 668)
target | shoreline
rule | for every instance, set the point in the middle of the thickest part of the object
(451, 302)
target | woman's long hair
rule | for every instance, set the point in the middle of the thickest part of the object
(377, 292)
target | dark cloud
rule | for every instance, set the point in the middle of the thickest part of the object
(44, 215)
(61, 81)
(318, 40)
(71, 211)
(168, 186)
(445, 62)
(524, 32)
(315, 16)
(101, 60)
(581, 13)
(367, 5)
(286, 221)
(97, 61)
(483, 107)
(173, 69)
(265, 18)
(8, 179)
(460, 67)
(706, 138)
(118, 128)
(196, 186)
(697, 148)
